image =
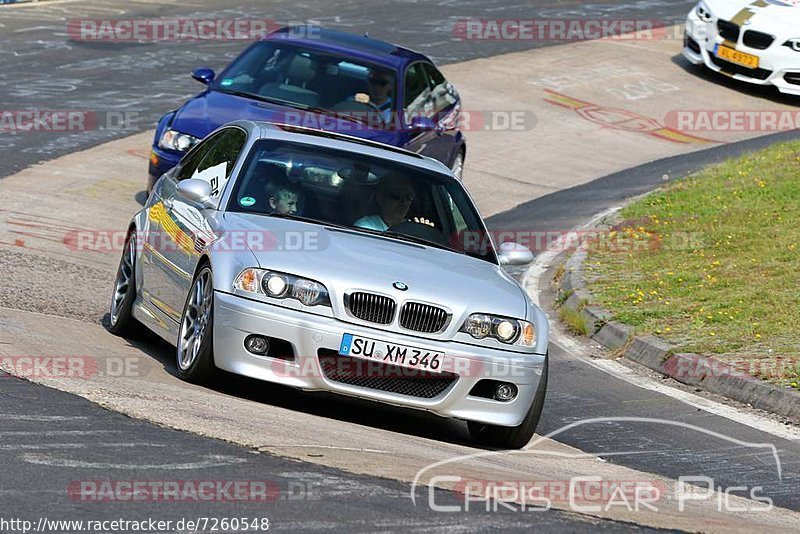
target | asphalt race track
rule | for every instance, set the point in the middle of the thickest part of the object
(632, 422)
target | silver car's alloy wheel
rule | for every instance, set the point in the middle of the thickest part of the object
(195, 320)
(458, 166)
(124, 278)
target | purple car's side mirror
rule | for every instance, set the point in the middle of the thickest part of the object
(203, 75)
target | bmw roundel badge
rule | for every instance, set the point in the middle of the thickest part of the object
(400, 286)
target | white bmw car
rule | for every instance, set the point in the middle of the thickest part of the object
(756, 41)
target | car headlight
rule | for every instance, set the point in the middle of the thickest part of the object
(283, 286)
(703, 12)
(173, 140)
(503, 329)
(794, 44)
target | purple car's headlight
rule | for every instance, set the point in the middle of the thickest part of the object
(173, 140)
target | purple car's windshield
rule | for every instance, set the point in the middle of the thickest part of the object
(292, 75)
(358, 192)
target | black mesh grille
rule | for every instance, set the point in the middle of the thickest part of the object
(422, 317)
(757, 40)
(376, 375)
(733, 68)
(370, 307)
(728, 30)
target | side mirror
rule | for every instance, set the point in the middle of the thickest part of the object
(514, 254)
(422, 124)
(203, 75)
(197, 191)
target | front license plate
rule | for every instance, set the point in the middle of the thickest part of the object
(735, 56)
(391, 353)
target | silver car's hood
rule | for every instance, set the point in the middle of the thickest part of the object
(347, 260)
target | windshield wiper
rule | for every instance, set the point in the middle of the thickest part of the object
(420, 240)
(357, 229)
(323, 111)
(404, 237)
(248, 95)
(304, 219)
(296, 105)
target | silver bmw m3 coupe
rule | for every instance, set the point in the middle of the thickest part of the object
(325, 262)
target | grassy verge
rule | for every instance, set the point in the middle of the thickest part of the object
(711, 264)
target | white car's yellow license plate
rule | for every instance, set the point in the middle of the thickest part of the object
(735, 56)
(391, 353)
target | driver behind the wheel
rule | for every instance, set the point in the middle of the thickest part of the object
(380, 84)
(391, 202)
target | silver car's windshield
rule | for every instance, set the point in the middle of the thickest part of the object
(366, 194)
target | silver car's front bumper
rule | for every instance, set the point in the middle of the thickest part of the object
(235, 318)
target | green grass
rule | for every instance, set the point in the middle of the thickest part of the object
(574, 321)
(710, 263)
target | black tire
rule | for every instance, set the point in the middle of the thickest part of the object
(199, 368)
(513, 437)
(121, 320)
(458, 166)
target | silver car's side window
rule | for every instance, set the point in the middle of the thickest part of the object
(217, 165)
(191, 161)
(213, 159)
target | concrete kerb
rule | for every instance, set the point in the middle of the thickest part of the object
(656, 354)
